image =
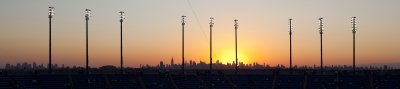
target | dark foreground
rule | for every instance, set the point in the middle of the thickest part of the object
(272, 79)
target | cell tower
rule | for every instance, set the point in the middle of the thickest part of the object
(51, 14)
(87, 16)
(353, 21)
(183, 43)
(290, 43)
(211, 25)
(321, 32)
(121, 19)
(236, 27)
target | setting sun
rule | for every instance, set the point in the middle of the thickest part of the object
(228, 56)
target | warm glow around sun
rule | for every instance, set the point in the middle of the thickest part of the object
(228, 56)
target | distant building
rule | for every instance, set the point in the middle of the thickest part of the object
(385, 67)
(172, 62)
(34, 66)
(108, 67)
(8, 66)
(162, 66)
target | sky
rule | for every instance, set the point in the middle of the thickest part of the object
(152, 31)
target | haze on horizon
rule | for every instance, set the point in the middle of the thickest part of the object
(152, 31)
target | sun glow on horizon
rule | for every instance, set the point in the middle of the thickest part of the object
(228, 56)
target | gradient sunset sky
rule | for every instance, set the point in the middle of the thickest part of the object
(152, 31)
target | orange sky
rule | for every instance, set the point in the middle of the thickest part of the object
(152, 31)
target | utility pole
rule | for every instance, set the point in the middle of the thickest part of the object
(290, 43)
(51, 14)
(183, 44)
(353, 21)
(87, 15)
(211, 25)
(321, 32)
(236, 27)
(121, 19)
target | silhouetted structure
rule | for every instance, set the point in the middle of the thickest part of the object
(290, 43)
(183, 44)
(211, 25)
(236, 27)
(121, 19)
(353, 21)
(253, 80)
(321, 32)
(51, 14)
(200, 65)
(87, 15)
